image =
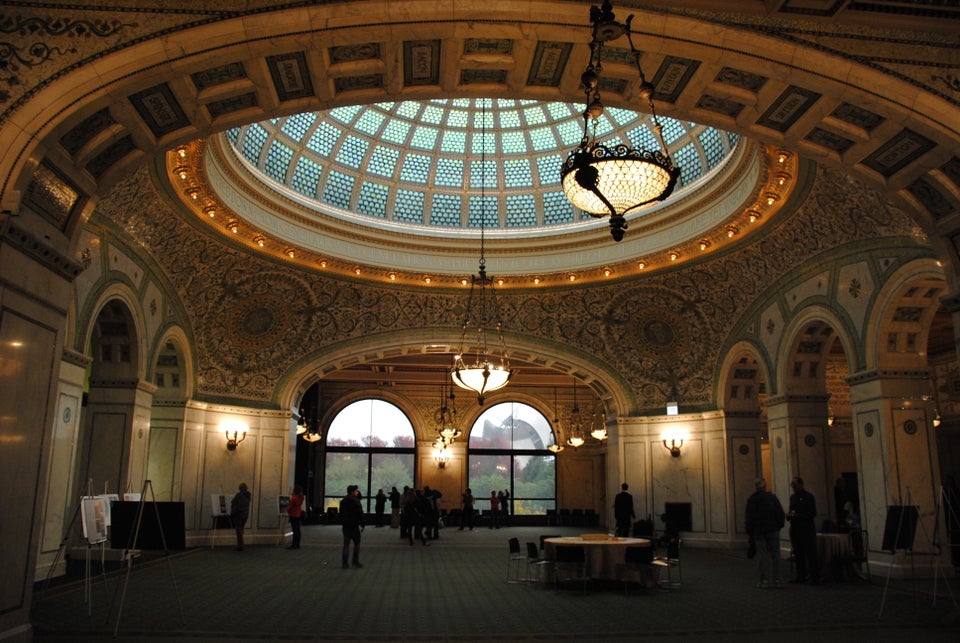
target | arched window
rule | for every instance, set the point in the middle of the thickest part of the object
(508, 451)
(371, 444)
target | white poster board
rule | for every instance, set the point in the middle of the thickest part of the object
(93, 518)
(110, 497)
(282, 503)
(131, 497)
(219, 505)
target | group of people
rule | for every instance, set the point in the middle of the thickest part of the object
(499, 509)
(765, 518)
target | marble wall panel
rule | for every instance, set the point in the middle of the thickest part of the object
(635, 475)
(270, 482)
(872, 468)
(717, 485)
(162, 460)
(197, 515)
(20, 459)
(744, 469)
(59, 506)
(223, 470)
(578, 495)
(105, 453)
(680, 480)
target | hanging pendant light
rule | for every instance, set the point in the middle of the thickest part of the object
(556, 446)
(481, 364)
(575, 430)
(599, 428)
(615, 181)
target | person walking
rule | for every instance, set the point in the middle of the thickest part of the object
(239, 512)
(394, 508)
(764, 520)
(379, 506)
(352, 523)
(623, 511)
(466, 516)
(803, 533)
(295, 514)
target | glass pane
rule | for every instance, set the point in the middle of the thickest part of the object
(488, 473)
(389, 470)
(371, 423)
(343, 469)
(534, 484)
(511, 426)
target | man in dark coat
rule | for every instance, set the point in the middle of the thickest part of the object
(764, 520)
(803, 532)
(623, 511)
(351, 519)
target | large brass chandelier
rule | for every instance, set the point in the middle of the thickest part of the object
(603, 180)
(481, 364)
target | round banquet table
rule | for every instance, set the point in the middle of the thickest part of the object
(602, 555)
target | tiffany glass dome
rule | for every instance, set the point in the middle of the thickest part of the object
(404, 186)
(424, 163)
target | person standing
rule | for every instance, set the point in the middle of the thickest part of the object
(394, 508)
(494, 510)
(239, 512)
(764, 520)
(295, 514)
(379, 506)
(623, 511)
(466, 517)
(351, 520)
(803, 532)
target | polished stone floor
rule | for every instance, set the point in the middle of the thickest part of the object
(456, 590)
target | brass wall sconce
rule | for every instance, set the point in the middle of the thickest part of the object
(235, 432)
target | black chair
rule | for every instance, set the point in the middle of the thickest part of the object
(564, 517)
(637, 562)
(535, 563)
(515, 561)
(543, 537)
(591, 518)
(552, 518)
(576, 518)
(570, 564)
(670, 562)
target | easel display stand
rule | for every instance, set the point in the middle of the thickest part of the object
(132, 543)
(93, 522)
(899, 534)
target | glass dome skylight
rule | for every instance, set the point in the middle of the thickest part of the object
(418, 162)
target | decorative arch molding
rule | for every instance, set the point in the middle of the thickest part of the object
(889, 296)
(605, 381)
(729, 362)
(179, 337)
(791, 337)
(116, 291)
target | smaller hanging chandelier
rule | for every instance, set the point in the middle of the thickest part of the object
(618, 180)
(309, 430)
(556, 446)
(481, 364)
(599, 425)
(446, 417)
(575, 430)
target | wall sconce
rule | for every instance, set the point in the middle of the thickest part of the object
(442, 456)
(673, 446)
(937, 420)
(235, 432)
(672, 442)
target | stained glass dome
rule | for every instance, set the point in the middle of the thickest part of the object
(419, 162)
